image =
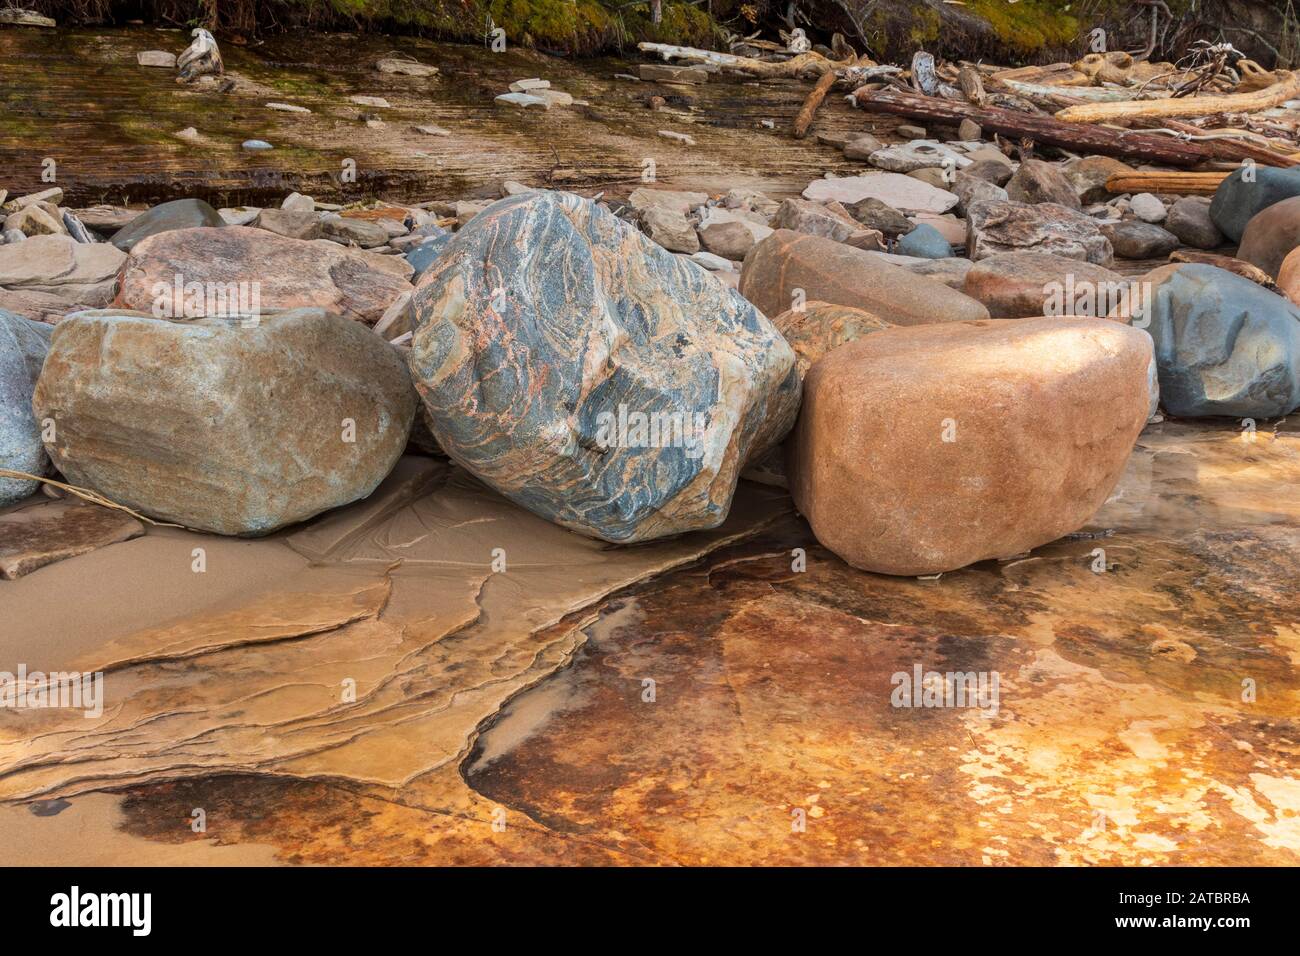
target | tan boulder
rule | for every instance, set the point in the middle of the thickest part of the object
(789, 267)
(284, 273)
(1288, 276)
(922, 450)
(1270, 235)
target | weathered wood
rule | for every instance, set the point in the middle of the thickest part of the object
(1185, 106)
(809, 109)
(1229, 264)
(972, 86)
(804, 64)
(1179, 183)
(1078, 137)
(1231, 145)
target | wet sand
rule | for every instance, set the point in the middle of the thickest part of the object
(504, 716)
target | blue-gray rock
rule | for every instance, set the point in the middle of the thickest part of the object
(178, 214)
(235, 426)
(591, 376)
(1237, 200)
(924, 242)
(424, 255)
(23, 344)
(1224, 345)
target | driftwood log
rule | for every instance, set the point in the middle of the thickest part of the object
(1077, 137)
(972, 85)
(1253, 102)
(1244, 269)
(805, 64)
(809, 109)
(1180, 183)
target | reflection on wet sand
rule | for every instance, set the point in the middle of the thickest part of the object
(702, 700)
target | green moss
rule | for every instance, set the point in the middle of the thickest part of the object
(925, 28)
(1029, 25)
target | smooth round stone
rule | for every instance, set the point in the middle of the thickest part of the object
(590, 375)
(256, 144)
(1248, 190)
(924, 242)
(1271, 235)
(166, 217)
(821, 327)
(1223, 344)
(1148, 208)
(924, 449)
(282, 273)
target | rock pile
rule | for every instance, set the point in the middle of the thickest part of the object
(973, 369)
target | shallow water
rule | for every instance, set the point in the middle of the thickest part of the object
(78, 97)
(519, 728)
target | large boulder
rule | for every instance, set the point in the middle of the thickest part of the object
(995, 226)
(23, 344)
(1017, 285)
(788, 266)
(220, 425)
(77, 273)
(592, 377)
(1271, 235)
(1248, 190)
(165, 217)
(1224, 345)
(921, 450)
(248, 263)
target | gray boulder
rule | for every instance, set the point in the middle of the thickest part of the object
(1238, 198)
(1224, 345)
(178, 214)
(591, 376)
(23, 344)
(236, 427)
